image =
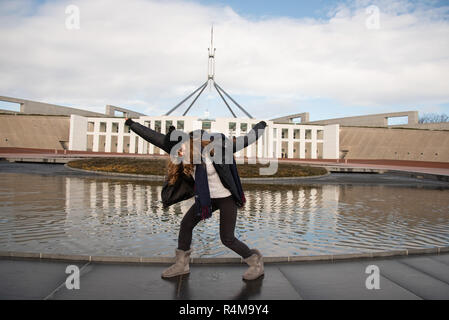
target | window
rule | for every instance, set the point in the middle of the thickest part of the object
(102, 126)
(232, 126)
(296, 134)
(90, 142)
(320, 134)
(397, 120)
(126, 142)
(308, 134)
(157, 126)
(115, 127)
(206, 125)
(243, 127)
(168, 123)
(90, 126)
(180, 125)
(284, 133)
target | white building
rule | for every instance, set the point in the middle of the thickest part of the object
(287, 140)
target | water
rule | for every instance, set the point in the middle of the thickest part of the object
(102, 216)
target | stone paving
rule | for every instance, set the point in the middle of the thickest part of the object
(411, 277)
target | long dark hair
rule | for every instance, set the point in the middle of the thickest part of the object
(174, 171)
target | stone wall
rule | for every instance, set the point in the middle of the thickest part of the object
(34, 131)
(394, 144)
(371, 120)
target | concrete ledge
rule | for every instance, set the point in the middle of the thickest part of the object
(354, 169)
(56, 160)
(70, 257)
(421, 175)
(115, 259)
(222, 260)
(131, 175)
(275, 259)
(309, 258)
(216, 260)
(385, 254)
(23, 255)
(156, 260)
(423, 251)
(443, 249)
(350, 256)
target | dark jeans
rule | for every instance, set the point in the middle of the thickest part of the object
(228, 217)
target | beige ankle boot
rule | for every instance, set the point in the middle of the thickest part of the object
(181, 265)
(255, 262)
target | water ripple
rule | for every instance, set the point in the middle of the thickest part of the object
(106, 217)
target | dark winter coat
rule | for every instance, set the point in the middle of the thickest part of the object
(184, 187)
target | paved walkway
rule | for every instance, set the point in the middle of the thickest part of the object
(411, 277)
(407, 166)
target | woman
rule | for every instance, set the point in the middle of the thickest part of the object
(213, 181)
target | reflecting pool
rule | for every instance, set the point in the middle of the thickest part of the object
(103, 216)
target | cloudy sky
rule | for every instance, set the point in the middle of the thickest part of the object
(330, 58)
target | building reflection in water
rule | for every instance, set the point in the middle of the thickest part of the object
(105, 216)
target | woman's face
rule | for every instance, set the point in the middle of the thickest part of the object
(182, 151)
(188, 150)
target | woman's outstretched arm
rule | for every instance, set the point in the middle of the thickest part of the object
(243, 141)
(153, 137)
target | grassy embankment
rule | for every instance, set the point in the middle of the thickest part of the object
(158, 167)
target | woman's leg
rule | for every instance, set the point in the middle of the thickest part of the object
(181, 265)
(228, 218)
(189, 222)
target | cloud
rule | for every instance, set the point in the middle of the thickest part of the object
(147, 55)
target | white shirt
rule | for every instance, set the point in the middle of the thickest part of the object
(216, 188)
